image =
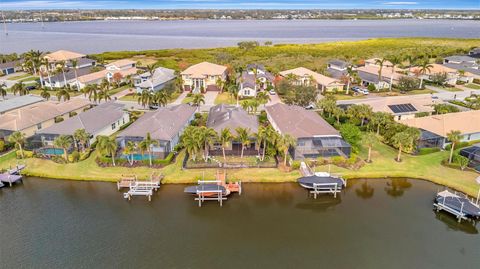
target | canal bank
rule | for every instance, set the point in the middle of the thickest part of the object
(269, 225)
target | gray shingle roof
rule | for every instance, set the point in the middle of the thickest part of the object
(11, 64)
(92, 120)
(160, 75)
(82, 61)
(299, 122)
(18, 102)
(460, 58)
(465, 67)
(225, 116)
(163, 124)
(339, 63)
(70, 74)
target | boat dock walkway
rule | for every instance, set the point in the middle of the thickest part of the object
(10, 179)
(139, 187)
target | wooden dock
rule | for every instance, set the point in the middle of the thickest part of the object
(126, 181)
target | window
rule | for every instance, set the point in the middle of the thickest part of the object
(113, 126)
(301, 143)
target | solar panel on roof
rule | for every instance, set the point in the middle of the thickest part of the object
(402, 108)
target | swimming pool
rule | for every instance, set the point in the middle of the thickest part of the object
(50, 151)
(139, 157)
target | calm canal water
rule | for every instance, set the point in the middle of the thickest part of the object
(99, 36)
(373, 224)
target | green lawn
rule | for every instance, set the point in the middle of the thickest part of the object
(224, 98)
(187, 100)
(473, 86)
(29, 79)
(119, 89)
(424, 167)
(20, 77)
(129, 97)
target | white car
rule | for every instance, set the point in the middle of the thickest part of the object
(272, 92)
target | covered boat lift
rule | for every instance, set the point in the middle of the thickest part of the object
(461, 207)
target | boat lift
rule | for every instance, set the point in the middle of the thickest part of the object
(461, 207)
(205, 192)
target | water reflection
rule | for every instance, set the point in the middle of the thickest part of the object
(452, 223)
(365, 191)
(321, 204)
(396, 186)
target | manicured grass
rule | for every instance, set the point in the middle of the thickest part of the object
(224, 98)
(20, 77)
(129, 97)
(29, 79)
(119, 89)
(422, 167)
(473, 86)
(398, 93)
(187, 100)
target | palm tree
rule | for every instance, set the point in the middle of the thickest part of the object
(400, 140)
(261, 137)
(349, 76)
(45, 93)
(107, 146)
(151, 69)
(395, 60)
(92, 92)
(454, 137)
(161, 98)
(33, 58)
(233, 90)
(338, 112)
(225, 139)
(46, 63)
(3, 90)
(64, 142)
(198, 99)
(74, 66)
(219, 83)
(191, 141)
(208, 136)
(244, 138)
(145, 98)
(81, 137)
(380, 119)
(19, 88)
(328, 104)
(263, 98)
(105, 95)
(380, 63)
(63, 93)
(18, 139)
(129, 150)
(61, 68)
(369, 139)
(146, 144)
(284, 143)
(425, 67)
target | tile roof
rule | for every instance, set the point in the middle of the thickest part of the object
(31, 115)
(63, 55)
(467, 122)
(18, 102)
(160, 76)
(92, 120)
(204, 69)
(421, 104)
(386, 72)
(299, 122)
(70, 74)
(121, 63)
(319, 78)
(435, 69)
(226, 116)
(163, 124)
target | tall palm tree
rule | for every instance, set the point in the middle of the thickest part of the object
(349, 76)
(243, 136)
(45, 94)
(61, 68)
(63, 93)
(18, 139)
(19, 88)
(161, 97)
(46, 63)
(400, 140)
(425, 67)
(107, 146)
(64, 142)
(226, 140)
(151, 69)
(74, 66)
(208, 137)
(380, 63)
(92, 92)
(261, 137)
(263, 98)
(191, 141)
(284, 143)
(338, 112)
(454, 137)
(129, 150)
(198, 99)
(145, 98)
(105, 95)
(233, 90)
(33, 58)
(380, 119)
(147, 143)
(3, 90)
(369, 139)
(81, 137)
(395, 60)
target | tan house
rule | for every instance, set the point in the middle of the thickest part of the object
(35, 117)
(124, 68)
(203, 77)
(305, 76)
(63, 55)
(435, 128)
(453, 75)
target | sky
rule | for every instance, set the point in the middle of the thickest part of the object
(239, 4)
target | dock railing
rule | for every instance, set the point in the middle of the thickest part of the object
(319, 188)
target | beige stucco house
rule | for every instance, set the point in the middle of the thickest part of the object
(203, 77)
(305, 76)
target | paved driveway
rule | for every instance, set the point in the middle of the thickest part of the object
(274, 99)
(209, 100)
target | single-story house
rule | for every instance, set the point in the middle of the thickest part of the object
(124, 68)
(337, 68)
(452, 74)
(369, 75)
(16, 102)
(468, 69)
(435, 128)
(62, 56)
(165, 125)
(231, 117)
(82, 63)
(305, 76)
(161, 77)
(369, 78)
(32, 118)
(104, 119)
(250, 83)
(458, 59)
(315, 137)
(8, 68)
(58, 80)
(203, 77)
(401, 107)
